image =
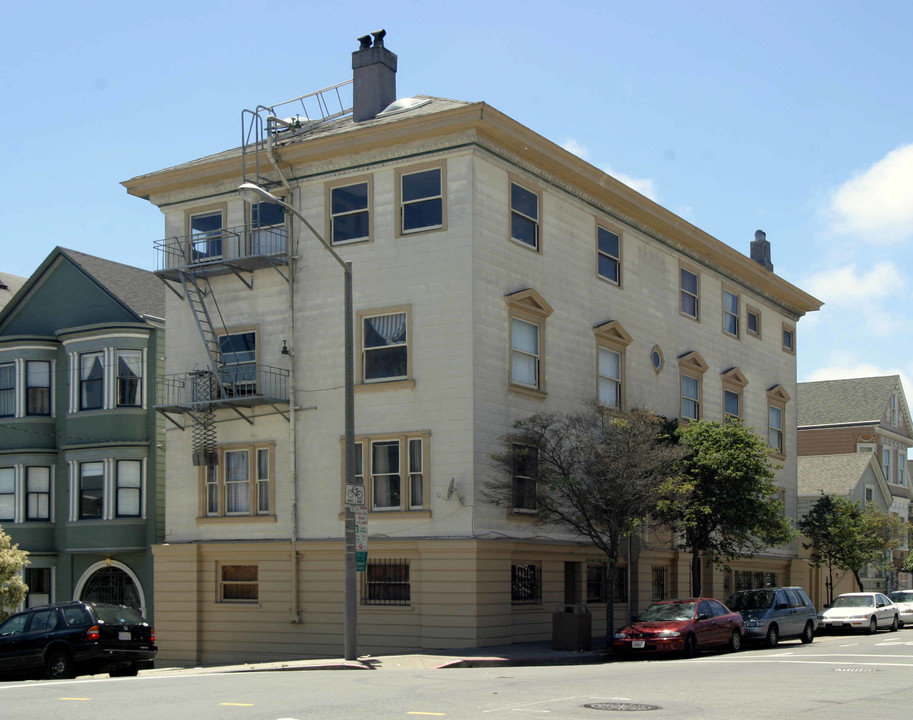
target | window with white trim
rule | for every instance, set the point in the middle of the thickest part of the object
(105, 488)
(7, 494)
(775, 428)
(612, 341)
(7, 389)
(869, 493)
(886, 464)
(689, 303)
(691, 397)
(206, 236)
(25, 493)
(267, 228)
(421, 200)
(350, 215)
(734, 383)
(730, 313)
(384, 347)
(91, 489)
(242, 484)
(91, 381)
(524, 215)
(38, 387)
(393, 470)
(528, 314)
(238, 353)
(39, 580)
(753, 321)
(128, 481)
(901, 467)
(130, 378)
(608, 255)
(107, 378)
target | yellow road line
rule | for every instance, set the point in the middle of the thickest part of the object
(237, 704)
(412, 712)
(74, 698)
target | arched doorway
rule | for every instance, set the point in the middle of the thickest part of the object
(111, 582)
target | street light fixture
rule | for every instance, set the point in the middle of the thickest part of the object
(252, 193)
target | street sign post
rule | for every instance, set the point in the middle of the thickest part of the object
(361, 537)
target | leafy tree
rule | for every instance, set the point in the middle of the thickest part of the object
(844, 536)
(12, 589)
(723, 501)
(597, 473)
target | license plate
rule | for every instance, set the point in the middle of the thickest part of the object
(124, 636)
(637, 644)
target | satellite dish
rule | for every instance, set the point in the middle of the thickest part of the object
(450, 489)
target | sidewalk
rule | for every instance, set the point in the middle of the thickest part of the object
(518, 654)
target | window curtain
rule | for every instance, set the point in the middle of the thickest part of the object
(237, 487)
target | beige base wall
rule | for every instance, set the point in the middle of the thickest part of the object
(460, 597)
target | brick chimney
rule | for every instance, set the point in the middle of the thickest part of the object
(760, 250)
(374, 77)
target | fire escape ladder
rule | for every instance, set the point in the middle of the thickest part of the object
(196, 293)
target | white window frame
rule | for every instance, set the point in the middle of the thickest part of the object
(887, 456)
(109, 488)
(413, 462)
(405, 204)
(10, 368)
(19, 475)
(731, 315)
(112, 379)
(690, 399)
(404, 346)
(28, 386)
(517, 213)
(527, 306)
(333, 216)
(694, 296)
(261, 490)
(605, 256)
(902, 467)
(775, 429)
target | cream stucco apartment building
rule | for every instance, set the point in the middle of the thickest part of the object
(495, 275)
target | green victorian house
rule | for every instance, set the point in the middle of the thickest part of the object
(81, 448)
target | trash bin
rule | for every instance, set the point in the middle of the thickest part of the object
(571, 628)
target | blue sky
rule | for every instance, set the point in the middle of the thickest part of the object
(791, 117)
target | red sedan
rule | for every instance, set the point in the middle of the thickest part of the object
(683, 626)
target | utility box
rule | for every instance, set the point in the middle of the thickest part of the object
(572, 628)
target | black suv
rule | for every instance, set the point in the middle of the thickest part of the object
(70, 638)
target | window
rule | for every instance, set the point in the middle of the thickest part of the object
(37, 493)
(393, 470)
(238, 353)
(267, 224)
(789, 339)
(206, 236)
(527, 342)
(611, 341)
(239, 584)
(421, 201)
(39, 581)
(894, 409)
(775, 429)
(608, 255)
(91, 490)
(241, 485)
(730, 313)
(91, 381)
(869, 494)
(7, 494)
(886, 464)
(690, 305)
(526, 584)
(658, 586)
(656, 359)
(753, 321)
(901, 467)
(38, 387)
(691, 397)
(734, 383)
(350, 219)
(129, 487)
(597, 583)
(7, 390)
(386, 582)
(525, 479)
(129, 378)
(524, 215)
(385, 347)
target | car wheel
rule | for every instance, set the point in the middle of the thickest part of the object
(808, 634)
(895, 624)
(735, 641)
(690, 646)
(773, 636)
(60, 665)
(873, 625)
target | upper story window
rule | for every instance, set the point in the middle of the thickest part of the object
(886, 464)
(238, 352)
(753, 321)
(107, 488)
(689, 303)
(524, 215)
(692, 368)
(7, 390)
(385, 341)
(91, 490)
(734, 383)
(206, 236)
(350, 217)
(128, 492)
(529, 312)
(421, 200)
(525, 478)
(38, 387)
(894, 409)
(25, 493)
(730, 313)
(242, 484)
(393, 469)
(611, 343)
(789, 339)
(267, 225)
(129, 378)
(777, 398)
(608, 255)
(901, 467)
(91, 381)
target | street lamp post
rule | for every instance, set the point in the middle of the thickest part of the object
(253, 193)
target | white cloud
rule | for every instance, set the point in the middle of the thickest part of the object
(848, 286)
(877, 204)
(645, 186)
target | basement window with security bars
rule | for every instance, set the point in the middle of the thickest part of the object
(526, 584)
(239, 584)
(386, 582)
(597, 582)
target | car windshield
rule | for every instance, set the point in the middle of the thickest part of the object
(901, 596)
(854, 601)
(119, 615)
(751, 600)
(668, 611)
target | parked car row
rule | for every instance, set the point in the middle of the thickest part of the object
(63, 640)
(762, 615)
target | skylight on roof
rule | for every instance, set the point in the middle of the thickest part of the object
(403, 105)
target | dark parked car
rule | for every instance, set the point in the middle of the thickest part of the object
(683, 626)
(774, 614)
(66, 639)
